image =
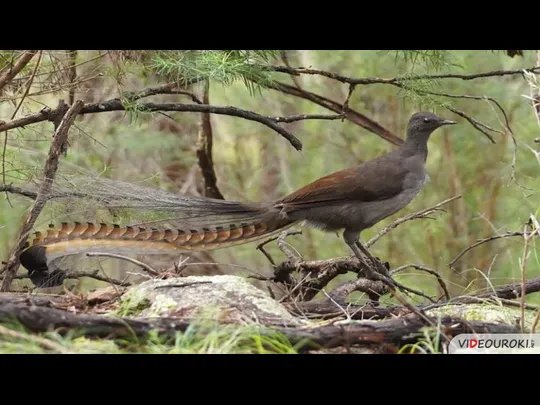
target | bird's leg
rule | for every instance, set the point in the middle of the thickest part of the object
(381, 268)
(351, 239)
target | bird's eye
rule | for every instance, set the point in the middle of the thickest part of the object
(426, 120)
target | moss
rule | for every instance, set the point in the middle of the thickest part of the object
(132, 304)
(485, 312)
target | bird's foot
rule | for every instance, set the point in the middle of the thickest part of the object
(381, 266)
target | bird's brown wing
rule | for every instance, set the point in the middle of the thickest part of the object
(373, 181)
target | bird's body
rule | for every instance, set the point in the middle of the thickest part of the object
(359, 197)
(351, 200)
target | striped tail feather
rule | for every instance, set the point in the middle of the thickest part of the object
(74, 238)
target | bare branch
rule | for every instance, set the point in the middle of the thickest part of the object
(351, 115)
(75, 275)
(26, 91)
(476, 124)
(72, 55)
(464, 96)
(168, 88)
(364, 285)
(427, 270)
(17, 190)
(300, 117)
(9, 74)
(261, 245)
(116, 105)
(376, 80)
(420, 214)
(51, 166)
(144, 266)
(482, 241)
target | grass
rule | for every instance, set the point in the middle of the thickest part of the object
(201, 337)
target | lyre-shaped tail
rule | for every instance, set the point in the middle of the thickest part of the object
(75, 238)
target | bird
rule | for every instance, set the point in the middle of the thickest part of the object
(347, 201)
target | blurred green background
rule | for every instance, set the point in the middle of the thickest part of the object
(252, 162)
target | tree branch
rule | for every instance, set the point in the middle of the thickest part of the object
(51, 166)
(397, 331)
(75, 275)
(420, 214)
(204, 151)
(351, 115)
(427, 270)
(117, 105)
(482, 241)
(393, 80)
(142, 265)
(9, 74)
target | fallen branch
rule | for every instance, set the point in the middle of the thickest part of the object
(398, 331)
(508, 291)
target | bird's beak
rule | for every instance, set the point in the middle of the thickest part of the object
(447, 122)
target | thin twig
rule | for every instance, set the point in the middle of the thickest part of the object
(427, 270)
(349, 94)
(523, 264)
(351, 115)
(282, 245)
(168, 88)
(58, 88)
(26, 91)
(50, 72)
(461, 113)
(361, 284)
(300, 117)
(9, 74)
(376, 80)
(285, 59)
(51, 166)
(480, 242)
(75, 275)
(144, 266)
(535, 322)
(420, 214)
(261, 245)
(476, 124)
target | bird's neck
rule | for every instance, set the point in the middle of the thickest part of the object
(416, 145)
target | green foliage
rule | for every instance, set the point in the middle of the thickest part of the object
(201, 337)
(417, 92)
(224, 67)
(430, 60)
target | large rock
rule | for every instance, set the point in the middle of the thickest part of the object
(224, 297)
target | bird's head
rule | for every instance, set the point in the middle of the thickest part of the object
(424, 123)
